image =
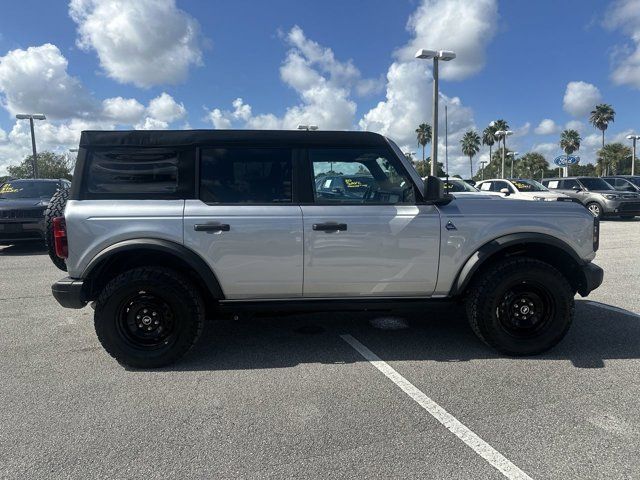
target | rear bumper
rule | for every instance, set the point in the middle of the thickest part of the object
(69, 292)
(590, 278)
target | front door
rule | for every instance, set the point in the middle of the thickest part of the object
(245, 223)
(364, 233)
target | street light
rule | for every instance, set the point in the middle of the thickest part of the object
(633, 158)
(444, 55)
(513, 159)
(504, 134)
(32, 117)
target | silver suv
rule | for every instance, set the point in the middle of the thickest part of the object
(165, 229)
(601, 198)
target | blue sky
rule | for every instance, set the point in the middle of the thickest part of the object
(341, 64)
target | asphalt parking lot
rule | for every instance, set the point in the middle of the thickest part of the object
(292, 398)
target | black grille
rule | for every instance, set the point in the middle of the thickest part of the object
(21, 213)
(629, 207)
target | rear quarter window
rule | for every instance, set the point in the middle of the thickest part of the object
(143, 173)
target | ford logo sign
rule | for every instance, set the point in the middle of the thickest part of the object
(566, 160)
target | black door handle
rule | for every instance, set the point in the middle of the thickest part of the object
(330, 227)
(211, 227)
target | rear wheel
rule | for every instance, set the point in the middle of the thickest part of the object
(149, 317)
(55, 209)
(521, 306)
(595, 208)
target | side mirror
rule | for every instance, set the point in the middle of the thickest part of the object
(505, 191)
(434, 191)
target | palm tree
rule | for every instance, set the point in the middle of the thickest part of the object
(612, 156)
(423, 133)
(601, 116)
(489, 137)
(570, 142)
(470, 143)
(500, 124)
(532, 163)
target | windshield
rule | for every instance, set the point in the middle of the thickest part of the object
(456, 185)
(526, 185)
(634, 180)
(594, 183)
(27, 189)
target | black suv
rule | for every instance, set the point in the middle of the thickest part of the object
(624, 183)
(22, 206)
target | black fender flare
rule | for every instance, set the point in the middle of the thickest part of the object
(486, 251)
(188, 256)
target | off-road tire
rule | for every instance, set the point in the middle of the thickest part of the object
(55, 209)
(486, 299)
(595, 208)
(173, 289)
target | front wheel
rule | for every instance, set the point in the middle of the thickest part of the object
(595, 209)
(149, 317)
(521, 306)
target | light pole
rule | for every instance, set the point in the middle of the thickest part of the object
(482, 163)
(503, 134)
(444, 55)
(32, 117)
(633, 157)
(513, 156)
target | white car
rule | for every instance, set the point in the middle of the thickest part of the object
(460, 188)
(520, 189)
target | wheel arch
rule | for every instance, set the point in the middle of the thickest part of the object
(535, 245)
(132, 253)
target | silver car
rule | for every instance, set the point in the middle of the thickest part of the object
(165, 229)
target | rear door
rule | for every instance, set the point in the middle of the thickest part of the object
(372, 239)
(246, 222)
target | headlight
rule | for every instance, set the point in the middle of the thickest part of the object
(539, 199)
(611, 197)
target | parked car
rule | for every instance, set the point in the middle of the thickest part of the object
(602, 199)
(22, 206)
(623, 183)
(345, 187)
(459, 187)
(520, 189)
(236, 222)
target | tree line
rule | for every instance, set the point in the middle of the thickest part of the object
(612, 158)
(50, 165)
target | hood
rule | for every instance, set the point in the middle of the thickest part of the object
(545, 194)
(13, 203)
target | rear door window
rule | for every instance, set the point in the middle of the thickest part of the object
(570, 184)
(236, 175)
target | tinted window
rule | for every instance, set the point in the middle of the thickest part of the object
(28, 189)
(354, 175)
(497, 186)
(133, 171)
(570, 184)
(246, 175)
(593, 183)
(525, 185)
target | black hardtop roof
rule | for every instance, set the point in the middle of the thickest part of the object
(175, 138)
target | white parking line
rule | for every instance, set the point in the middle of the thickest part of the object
(482, 448)
(613, 309)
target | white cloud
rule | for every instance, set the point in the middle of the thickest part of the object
(166, 109)
(580, 98)
(575, 125)
(322, 83)
(625, 15)
(151, 123)
(123, 110)
(144, 42)
(547, 127)
(35, 80)
(459, 25)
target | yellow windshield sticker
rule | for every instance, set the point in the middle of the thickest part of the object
(351, 183)
(8, 188)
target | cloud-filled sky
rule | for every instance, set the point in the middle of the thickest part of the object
(158, 64)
